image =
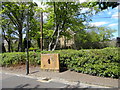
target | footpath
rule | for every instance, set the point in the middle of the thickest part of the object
(70, 77)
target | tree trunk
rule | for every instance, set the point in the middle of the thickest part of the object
(65, 42)
(9, 46)
(8, 41)
(55, 31)
(51, 42)
(49, 46)
(57, 39)
(20, 40)
(56, 28)
(38, 42)
(3, 48)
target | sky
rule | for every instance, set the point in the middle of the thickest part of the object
(107, 18)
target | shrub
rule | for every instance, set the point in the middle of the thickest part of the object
(99, 62)
(33, 49)
(13, 58)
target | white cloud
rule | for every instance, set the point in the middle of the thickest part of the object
(98, 23)
(81, 1)
(109, 13)
(114, 24)
(115, 15)
(84, 10)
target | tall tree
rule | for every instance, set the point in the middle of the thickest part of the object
(6, 32)
(66, 15)
(105, 33)
(62, 17)
(17, 11)
(93, 37)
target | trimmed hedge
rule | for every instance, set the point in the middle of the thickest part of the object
(98, 62)
(13, 58)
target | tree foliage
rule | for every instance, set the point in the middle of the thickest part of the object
(93, 37)
(17, 12)
(60, 19)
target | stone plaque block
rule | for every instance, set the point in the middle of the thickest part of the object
(50, 61)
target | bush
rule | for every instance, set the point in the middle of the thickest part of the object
(13, 58)
(98, 62)
(33, 49)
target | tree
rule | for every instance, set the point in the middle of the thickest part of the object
(105, 33)
(104, 5)
(6, 32)
(66, 15)
(62, 16)
(17, 11)
(93, 37)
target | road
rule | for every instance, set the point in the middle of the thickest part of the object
(15, 81)
(10, 80)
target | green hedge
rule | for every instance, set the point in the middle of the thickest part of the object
(13, 58)
(98, 62)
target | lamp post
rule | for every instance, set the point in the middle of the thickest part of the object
(27, 49)
(41, 30)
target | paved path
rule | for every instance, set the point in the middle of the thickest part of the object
(11, 80)
(70, 79)
(17, 81)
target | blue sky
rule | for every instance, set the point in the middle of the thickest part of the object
(108, 18)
